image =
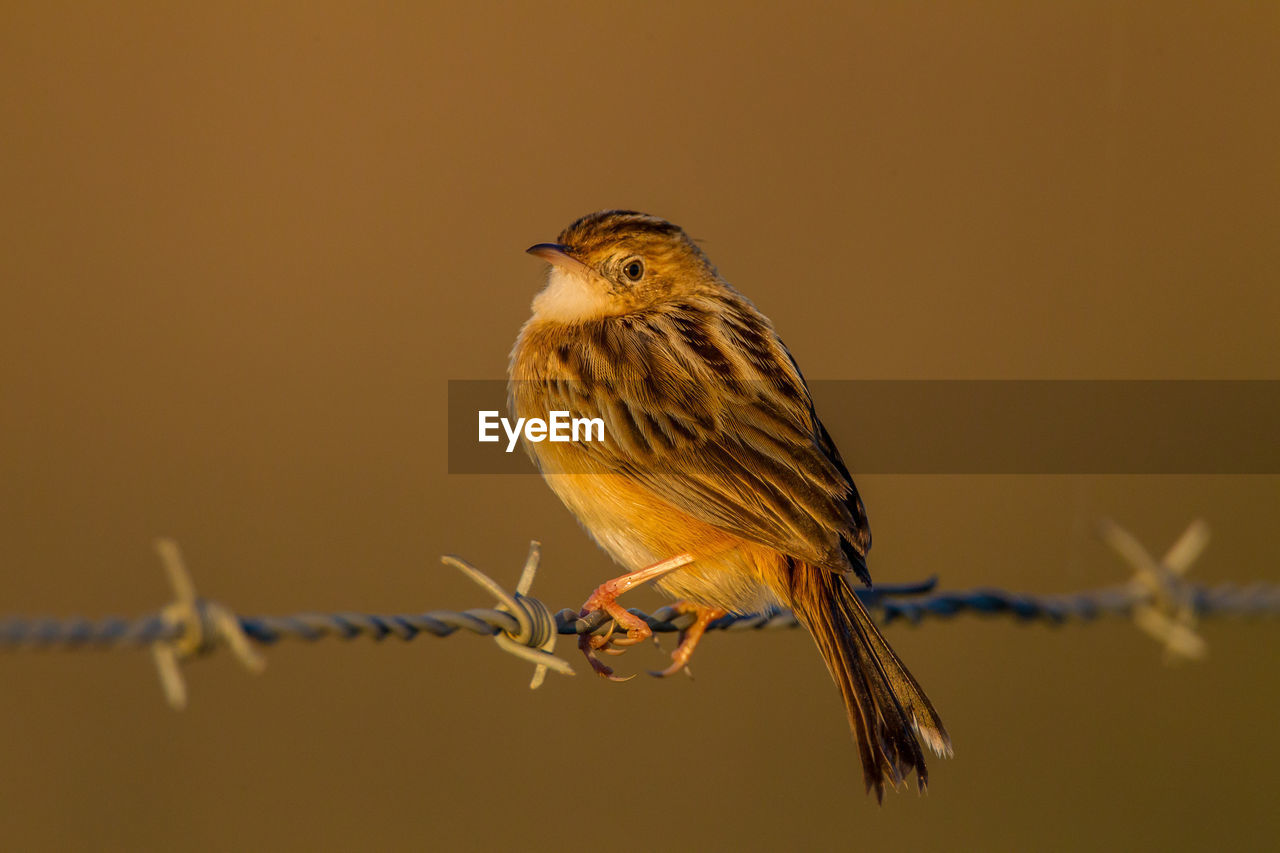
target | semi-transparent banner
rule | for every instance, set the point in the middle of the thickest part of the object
(912, 426)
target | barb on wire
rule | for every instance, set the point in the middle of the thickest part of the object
(1159, 599)
(199, 626)
(1164, 607)
(535, 637)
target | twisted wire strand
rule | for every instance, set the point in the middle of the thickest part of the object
(1158, 599)
(913, 603)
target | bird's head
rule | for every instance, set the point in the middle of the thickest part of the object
(618, 262)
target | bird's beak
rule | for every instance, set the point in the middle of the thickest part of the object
(558, 255)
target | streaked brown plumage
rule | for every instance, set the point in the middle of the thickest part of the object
(716, 478)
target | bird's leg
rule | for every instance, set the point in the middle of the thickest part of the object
(689, 637)
(605, 598)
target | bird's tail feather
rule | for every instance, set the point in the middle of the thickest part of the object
(887, 709)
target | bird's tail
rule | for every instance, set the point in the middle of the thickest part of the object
(887, 709)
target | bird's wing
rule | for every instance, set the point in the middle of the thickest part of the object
(745, 454)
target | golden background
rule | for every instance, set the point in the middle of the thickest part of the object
(244, 248)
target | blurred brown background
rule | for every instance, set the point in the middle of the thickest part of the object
(244, 248)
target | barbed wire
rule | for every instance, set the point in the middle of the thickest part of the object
(1158, 598)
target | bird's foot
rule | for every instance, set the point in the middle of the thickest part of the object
(612, 642)
(689, 637)
(636, 630)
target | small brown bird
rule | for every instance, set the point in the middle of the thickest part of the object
(715, 479)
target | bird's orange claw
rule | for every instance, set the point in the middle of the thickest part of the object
(605, 600)
(636, 630)
(689, 637)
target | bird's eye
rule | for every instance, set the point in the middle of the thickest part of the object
(633, 270)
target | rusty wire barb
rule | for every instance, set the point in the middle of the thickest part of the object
(1159, 598)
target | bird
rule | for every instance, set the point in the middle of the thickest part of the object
(715, 479)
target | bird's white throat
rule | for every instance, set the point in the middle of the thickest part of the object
(571, 296)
